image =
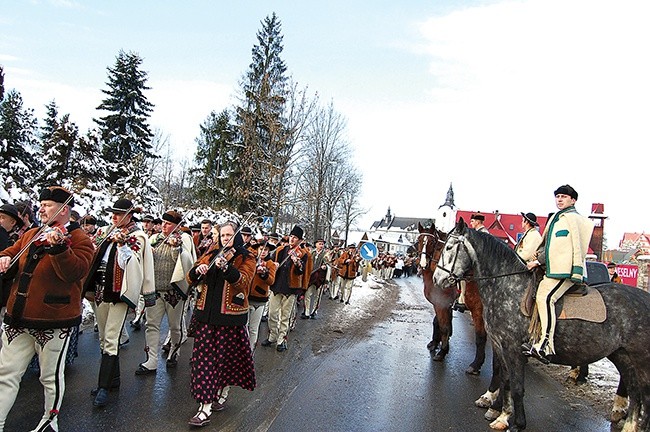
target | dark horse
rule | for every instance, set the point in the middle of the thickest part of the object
(430, 242)
(624, 336)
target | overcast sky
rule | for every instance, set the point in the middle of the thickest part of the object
(506, 100)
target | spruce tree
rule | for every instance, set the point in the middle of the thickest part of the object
(19, 161)
(260, 122)
(214, 161)
(59, 140)
(124, 130)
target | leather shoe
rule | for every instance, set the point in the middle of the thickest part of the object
(102, 398)
(172, 363)
(141, 370)
(530, 351)
(266, 343)
(303, 316)
(282, 347)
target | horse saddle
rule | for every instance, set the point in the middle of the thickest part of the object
(579, 302)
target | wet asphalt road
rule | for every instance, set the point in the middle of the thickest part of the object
(362, 367)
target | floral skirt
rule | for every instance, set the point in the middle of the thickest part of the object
(221, 357)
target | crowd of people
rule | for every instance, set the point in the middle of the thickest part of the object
(213, 282)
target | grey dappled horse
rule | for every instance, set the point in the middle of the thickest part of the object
(624, 337)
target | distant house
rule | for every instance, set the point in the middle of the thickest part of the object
(636, 242)
(395, 234)
(506, 227)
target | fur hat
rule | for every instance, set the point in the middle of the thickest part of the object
(10, 210)
(531, 218)
(566, 190)
(56, 194)
(297, 231)
(172, 216)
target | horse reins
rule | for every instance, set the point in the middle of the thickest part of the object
(454, 279)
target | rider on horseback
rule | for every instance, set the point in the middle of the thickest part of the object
(563, 251)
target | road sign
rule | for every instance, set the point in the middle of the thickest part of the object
(267, 222)
(368, 251)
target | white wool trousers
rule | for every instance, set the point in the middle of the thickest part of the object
(311, 299)
(154, 315)
(280, 308)
(255, 311)
(346, 289)
(549, 292)
(110, 322)
(18, 347)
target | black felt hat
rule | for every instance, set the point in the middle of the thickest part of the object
(478, 216)
(297, 231)
(122, 205)
(531, 218)
(10, 210)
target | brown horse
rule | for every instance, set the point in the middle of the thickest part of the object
(430, 243)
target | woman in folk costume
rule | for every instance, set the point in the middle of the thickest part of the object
(121, 271)
(566, 243)
(44, 303)
(258, 296)
(222, 354)
(173, 256)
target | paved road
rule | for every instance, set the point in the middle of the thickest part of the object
(362, 367)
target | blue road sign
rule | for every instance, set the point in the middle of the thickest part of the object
(267, 222)
(368, 251)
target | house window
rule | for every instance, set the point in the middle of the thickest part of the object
(512, 226)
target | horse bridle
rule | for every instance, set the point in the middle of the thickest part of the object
(454, 279)
(427, 261)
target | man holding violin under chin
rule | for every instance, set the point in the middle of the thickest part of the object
(44, 302)
(291, 278)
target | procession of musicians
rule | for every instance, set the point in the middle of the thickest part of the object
(215, 283)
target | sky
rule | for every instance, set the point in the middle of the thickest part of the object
(503, 100)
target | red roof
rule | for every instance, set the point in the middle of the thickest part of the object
(506, 227)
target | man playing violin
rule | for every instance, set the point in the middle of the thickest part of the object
(174, 254)
(291, 278)
(44, 303)
(121, 271)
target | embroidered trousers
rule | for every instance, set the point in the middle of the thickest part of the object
(18, 347)
(154, 314)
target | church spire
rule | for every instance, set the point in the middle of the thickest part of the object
(449, 201)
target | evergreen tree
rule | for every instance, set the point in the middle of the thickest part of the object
(59, 140)
(2, 82)
(18, 157)
(89, 175)
(214, 161)
(125, 130)
(259, 119)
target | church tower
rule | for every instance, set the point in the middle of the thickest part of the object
(446, 214)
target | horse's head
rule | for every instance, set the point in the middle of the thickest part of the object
(455, 260)
(429, 246)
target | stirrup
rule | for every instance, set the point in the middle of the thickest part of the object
(201, 418)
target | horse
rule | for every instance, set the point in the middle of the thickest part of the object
(429, 246)
(623, 337)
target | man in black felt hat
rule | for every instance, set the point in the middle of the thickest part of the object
(44, 303)
(9, 221)
(528, 243)
(121, 272)
(291, 278)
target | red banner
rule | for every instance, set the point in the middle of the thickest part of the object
(628, 273)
